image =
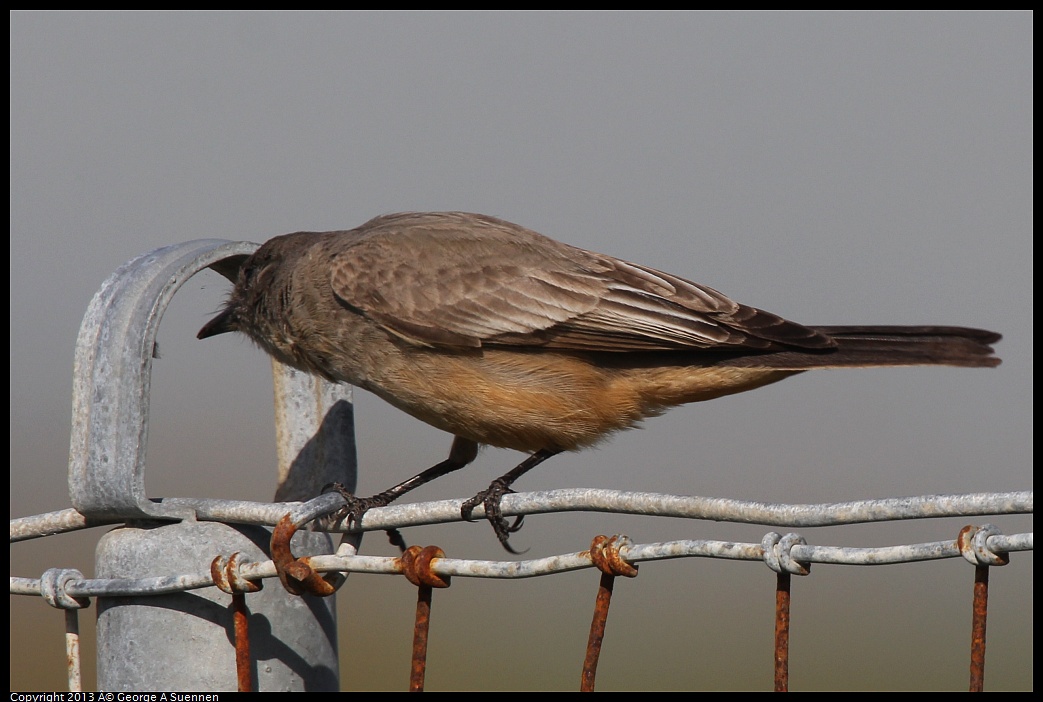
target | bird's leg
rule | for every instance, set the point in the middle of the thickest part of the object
(463, 452)
(491, 496)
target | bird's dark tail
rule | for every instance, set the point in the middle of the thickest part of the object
(867, 346)
(914, 346)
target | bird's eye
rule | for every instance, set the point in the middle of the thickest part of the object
(249, 274)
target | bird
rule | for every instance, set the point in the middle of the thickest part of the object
(504, 337)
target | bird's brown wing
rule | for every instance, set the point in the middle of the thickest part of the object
(462, 280)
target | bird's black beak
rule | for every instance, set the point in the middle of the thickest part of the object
(222, 323)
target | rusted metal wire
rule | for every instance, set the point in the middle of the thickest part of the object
(228, 579)
(243, 662)
(418, 662)
(981, 607)
(597, 632)
(973, 543)
(296, 574)
(604, 553)
(416, 566)
(778, 555)
(782, 603)
(606, 557)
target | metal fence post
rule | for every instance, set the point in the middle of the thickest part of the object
(182, 641)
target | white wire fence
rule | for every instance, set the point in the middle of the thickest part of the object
(983, 545)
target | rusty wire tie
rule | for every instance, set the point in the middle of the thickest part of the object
(606, 557)
(416, 565)
(227, 578)
(778, 557)
(296, 574)
(973, 544)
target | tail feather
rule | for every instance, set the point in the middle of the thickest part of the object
(867, 346)
(935, 332)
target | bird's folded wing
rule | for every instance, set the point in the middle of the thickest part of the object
(481, 282)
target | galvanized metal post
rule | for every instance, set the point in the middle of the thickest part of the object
(183, 641)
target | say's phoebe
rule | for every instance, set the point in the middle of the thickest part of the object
(501, 336)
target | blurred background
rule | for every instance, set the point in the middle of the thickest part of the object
(833, 168)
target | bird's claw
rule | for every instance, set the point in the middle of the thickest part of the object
(490, 500)
(355, 507)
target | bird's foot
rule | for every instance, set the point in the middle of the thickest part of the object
(352, 512)
(490, 501)
(356, 507)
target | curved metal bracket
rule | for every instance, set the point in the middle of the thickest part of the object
(112, 373)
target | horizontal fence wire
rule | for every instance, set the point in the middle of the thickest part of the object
(990, 543)
(346, 560)
(575, 500)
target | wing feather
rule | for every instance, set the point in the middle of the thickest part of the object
(461, 280)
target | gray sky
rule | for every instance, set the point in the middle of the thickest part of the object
(832, 168)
